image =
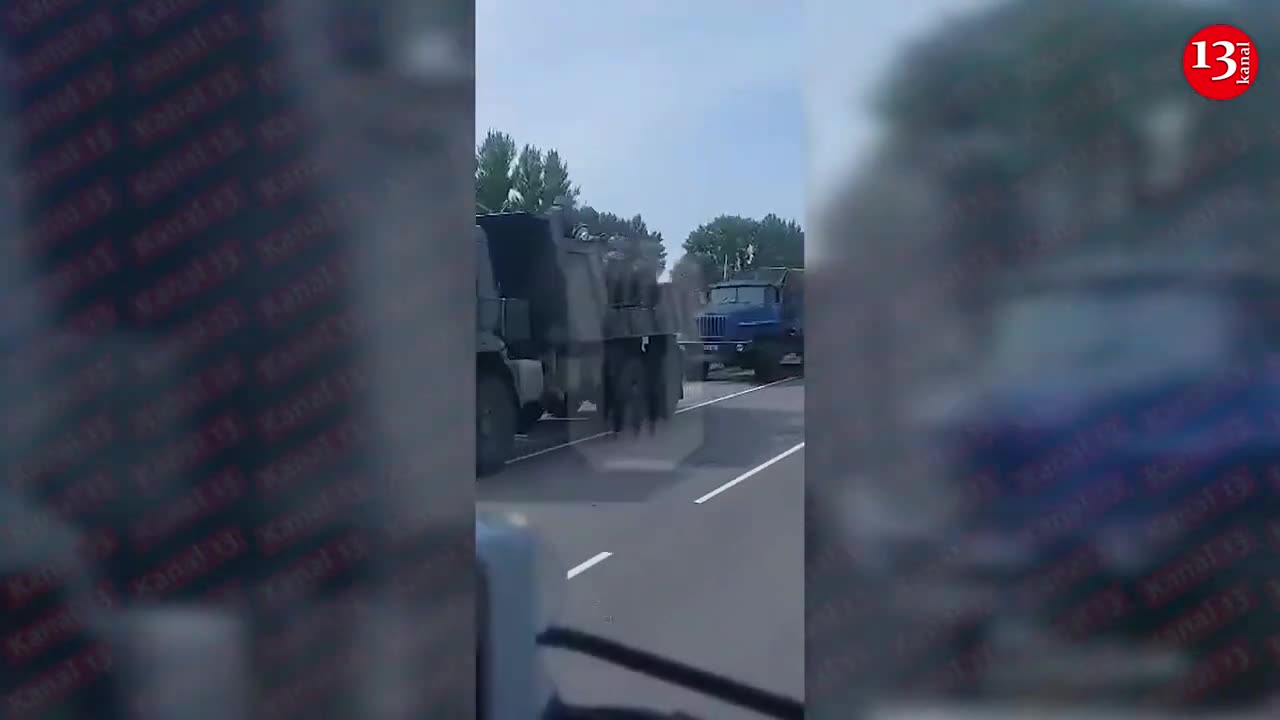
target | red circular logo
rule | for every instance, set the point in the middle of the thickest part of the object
(1220, 62)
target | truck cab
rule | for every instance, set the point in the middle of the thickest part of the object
(508, 388)
(754, 320)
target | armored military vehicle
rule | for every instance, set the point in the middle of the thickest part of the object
(579, 312)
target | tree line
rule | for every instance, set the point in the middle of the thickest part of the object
(732, 243)
(528, 178)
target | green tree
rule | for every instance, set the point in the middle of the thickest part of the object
(727, 240)
(533, 181)
(556, 185)
(528, 180)
(658, 248)
(778, 243)
(602, 224)
(494, 160)
(731, 243)
(633, 234)
(648, 244)
(694, 271)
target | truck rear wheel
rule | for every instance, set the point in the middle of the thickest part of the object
(628, 394)
(697, 370)
(564, 408)
(530, 414)
(666, 381)
(496, 419)
(768, 365)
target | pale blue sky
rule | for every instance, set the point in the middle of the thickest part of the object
(679, 111)
(682, 110)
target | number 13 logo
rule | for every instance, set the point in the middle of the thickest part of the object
(1228, 50)
(1220, 62)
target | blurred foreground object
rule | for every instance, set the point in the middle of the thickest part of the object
(513, 625)
(1056, 242)
(273, 205)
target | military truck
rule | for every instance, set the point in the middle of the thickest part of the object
(753, 320)
(581, 315)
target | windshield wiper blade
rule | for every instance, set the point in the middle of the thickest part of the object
(674, 672)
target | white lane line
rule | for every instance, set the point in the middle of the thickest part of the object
(740, 393)
(712, 401)
(571, 443)
(749, 473)
(599, 558)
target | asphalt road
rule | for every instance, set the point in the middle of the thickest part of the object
(688, 542)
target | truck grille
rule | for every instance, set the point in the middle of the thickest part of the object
(711, 326)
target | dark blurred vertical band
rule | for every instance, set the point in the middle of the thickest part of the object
(380, 95)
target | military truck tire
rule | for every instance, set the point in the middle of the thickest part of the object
(496, 421)
(559, 408)
(699, 371)
(529, 416)
(555, 408)
(670, 378)
(768, 365)
(628, 393)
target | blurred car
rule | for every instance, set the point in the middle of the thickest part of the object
(1114, 455)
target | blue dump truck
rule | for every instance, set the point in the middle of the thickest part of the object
(753, 320)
